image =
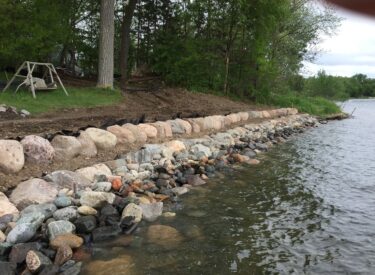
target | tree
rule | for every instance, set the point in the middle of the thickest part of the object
(129, 7)
(106, 44)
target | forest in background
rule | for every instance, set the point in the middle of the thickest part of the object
(244, 49)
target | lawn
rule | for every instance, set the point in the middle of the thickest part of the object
(53, 100)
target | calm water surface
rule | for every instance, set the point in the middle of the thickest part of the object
(308, 208)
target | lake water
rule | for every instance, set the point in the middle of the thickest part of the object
(308, 208)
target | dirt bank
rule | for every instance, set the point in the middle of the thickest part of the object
(140, 106)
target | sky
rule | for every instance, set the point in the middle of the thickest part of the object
(350, 51)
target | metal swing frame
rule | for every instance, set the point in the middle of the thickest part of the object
(29, 79)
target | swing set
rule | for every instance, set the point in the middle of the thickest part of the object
(46, 83)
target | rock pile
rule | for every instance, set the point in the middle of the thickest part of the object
(45, 222)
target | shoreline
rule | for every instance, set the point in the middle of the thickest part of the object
(49, 219)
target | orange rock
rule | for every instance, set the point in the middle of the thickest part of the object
(69, 239)
(240, 158)
(161, 197)
(116, 184)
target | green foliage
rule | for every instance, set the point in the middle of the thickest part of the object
(52, 100)
(312, 105)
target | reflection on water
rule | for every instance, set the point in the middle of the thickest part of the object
(308, 208)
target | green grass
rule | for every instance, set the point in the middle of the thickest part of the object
(312, 105)
(54, 100)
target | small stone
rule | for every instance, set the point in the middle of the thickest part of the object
(57, 228)
(87, 210)
(150, 212)
(85, 224)
(179, 191)
(63, 201)
(67, 214)
(169, 214)
(194, 180)
(96, 170)
(69, 239)
(103, 186)
(96, 199)
(36, 261)
(46, 209)
(19, 251)
(253, 162)
(132, 210)
(74, 270)
(105, 233)
(64, 254)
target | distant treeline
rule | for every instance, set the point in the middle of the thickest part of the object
(334, 87)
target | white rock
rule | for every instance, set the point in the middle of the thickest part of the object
(6, 207)
(12, 158)
(34, 191)
(96, 199)
(102, 139)
(96, 170)
(66, 147)
(132, 210)
(151, 211)
(124, 136)
(88, 148)
(150, 130)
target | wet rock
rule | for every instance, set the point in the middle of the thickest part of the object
(103, 140)
(66, 147)
(12, 157)
(223, 139)
(68, 179)
(124, 136)
(50, 270)
(261, 147)
(63, 201)
(6, 207)
(67, 214)
(74, 270)
(37, 149)
(150, 212)
(194, 180)
(139, 135)
(19, 251)
(34, 191)
(122, 264)
(71, 240)
(95, 170)
(249, 153)
(88, 147)
(96, 199)
(36, 261)
(105, 233)
(149, 130)
(57, 228)
(87, 210)
(169, 214)
(85, 224)
(7, 268)
(240, 158)
(132, 210)
(163, 235)
(179, 191)
(46, 209)
(103, 186)
(64, 254)
(253, 162)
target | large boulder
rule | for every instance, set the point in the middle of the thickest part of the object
(163, 128)
(96, 170)
(33, 191)
(140, 136)
(12, 158)
(124, 136)
(96, 199)
(149, 130)
(180, 126)
(195, 128)
(103, 140)
(88, 147)
(37, 149)
(68, 179)
(66, 147)
(6, 207)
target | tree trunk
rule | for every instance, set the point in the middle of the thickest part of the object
(106, 44)
(125, 42)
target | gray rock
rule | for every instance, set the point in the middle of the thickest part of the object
(195, 180)
(19, 251)
(57, 228)
(180, 190)
(150, 212)
(105, 233)
(68, 179)
(66, 147)
(63, 201)
(103, 186)
(74, 270)
(46, 209)
(85, 224)
(4, 220)
(7, 268)
(5, 248)
(21, 233)
(67, 214)
(199, 148)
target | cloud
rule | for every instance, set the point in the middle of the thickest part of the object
(350, 51)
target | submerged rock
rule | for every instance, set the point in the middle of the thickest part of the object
(151, 211)
(163, 235)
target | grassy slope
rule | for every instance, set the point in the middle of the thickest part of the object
(47, 101)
